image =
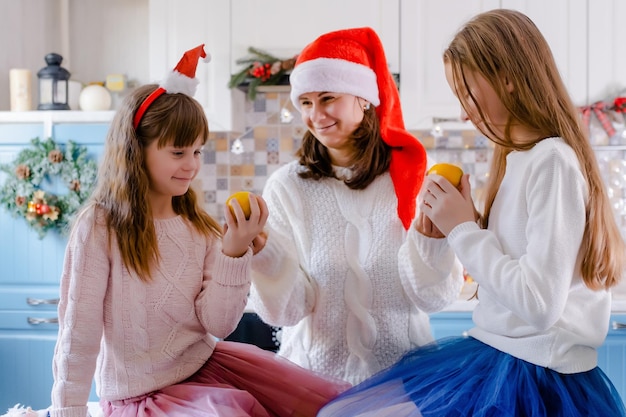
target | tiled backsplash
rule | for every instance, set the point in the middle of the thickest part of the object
(271, 131)
(235, 161)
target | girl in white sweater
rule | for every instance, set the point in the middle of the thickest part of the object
(348, 270)
(545, 252)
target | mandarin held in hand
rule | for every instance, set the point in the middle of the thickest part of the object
(243, 199)
(450, 172)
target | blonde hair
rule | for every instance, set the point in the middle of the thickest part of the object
(506, 46)
(121, 193)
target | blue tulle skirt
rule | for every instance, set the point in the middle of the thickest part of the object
(461, 376)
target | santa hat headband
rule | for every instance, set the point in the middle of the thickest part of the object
(182, 79)
(352, 61)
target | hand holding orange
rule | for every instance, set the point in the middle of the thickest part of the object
(243, 199)
(449, 171)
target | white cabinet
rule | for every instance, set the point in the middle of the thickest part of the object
(284, 27)
(228, 28)
(564, 25)
(429, 25)
(606, 48)
(145, 38)
(179, 25)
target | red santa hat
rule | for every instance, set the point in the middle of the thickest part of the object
(182, 79)
(352, 61)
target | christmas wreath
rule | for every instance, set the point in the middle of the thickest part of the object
(47, 163)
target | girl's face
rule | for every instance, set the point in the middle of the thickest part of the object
(332, 118)
(171, 170)
(484, 97)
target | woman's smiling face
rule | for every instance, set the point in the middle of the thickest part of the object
(332, 118)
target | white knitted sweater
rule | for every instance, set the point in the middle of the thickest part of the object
(349, 285)
(533, 303)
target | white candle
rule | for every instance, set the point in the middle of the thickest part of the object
(21, 90)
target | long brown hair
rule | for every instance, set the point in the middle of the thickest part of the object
(371, 158)
(121, 193)
(506, 46)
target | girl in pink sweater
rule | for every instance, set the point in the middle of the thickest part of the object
(150, 281)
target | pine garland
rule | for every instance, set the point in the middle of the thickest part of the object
(260, 68)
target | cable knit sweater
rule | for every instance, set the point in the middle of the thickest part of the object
(141, 336)
(533, 303)
(349, 285)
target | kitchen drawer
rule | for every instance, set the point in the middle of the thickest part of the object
(28, 308)
(29, 298)
(28, 320)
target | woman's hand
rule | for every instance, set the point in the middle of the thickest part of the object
(445, 205)
(258, 243)
(241, 233)
(426, 227)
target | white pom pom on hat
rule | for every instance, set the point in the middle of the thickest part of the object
(182, 79)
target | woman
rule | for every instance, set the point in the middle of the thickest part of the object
(348, 270)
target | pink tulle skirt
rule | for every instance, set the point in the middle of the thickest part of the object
(238, 380)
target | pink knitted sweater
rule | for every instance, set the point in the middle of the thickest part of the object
(139, 337)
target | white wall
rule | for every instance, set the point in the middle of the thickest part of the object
(104, 34)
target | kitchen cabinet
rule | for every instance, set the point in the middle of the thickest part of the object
(451, 323)
(228, 28)
(177, 26)
(145, 38)
(611, 355)
(31, 267)
(428, 26)
(285, 26)
(606, 60)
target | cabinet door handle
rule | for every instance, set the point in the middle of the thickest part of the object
(39, 301)
(619, 326)
(35, 320)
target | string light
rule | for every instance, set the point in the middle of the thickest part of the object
(285, 115)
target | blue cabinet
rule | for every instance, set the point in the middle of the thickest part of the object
(611, 355)
(451, 323)
(30, 268)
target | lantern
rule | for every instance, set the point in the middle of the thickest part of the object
(53, 84)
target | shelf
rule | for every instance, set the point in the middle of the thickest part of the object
(59, 116)
(51, 117)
